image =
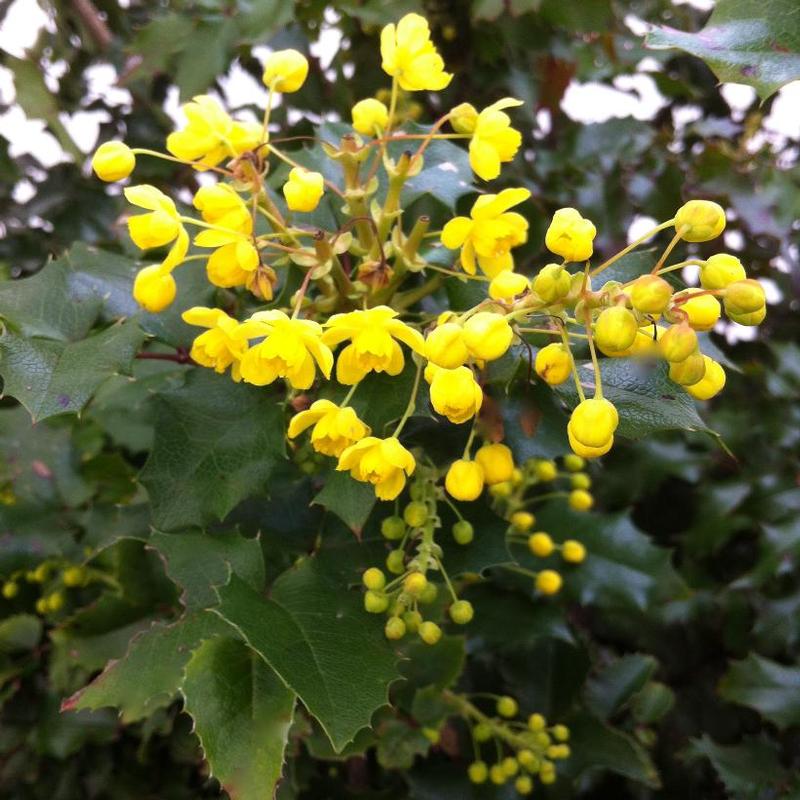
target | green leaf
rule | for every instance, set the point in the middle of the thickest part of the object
(319, 640)
(51, 377)
(487, 549)
(622, 567)
(646, 399)
(242, 713)
(216, 443)
(199, 561)
(608, 691)
(351, 500)
(770, 688)
(746, 769)
(756, 42)
(534, 424)
(149, 675)
(399, 744)
(19, 632)
(438, 665)
(208, 56)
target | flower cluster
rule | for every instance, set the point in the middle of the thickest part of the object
(49, 579)
(308, 305)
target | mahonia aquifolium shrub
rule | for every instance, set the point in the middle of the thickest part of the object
(356, 312)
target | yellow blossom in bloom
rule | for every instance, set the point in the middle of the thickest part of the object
(220, 205)
(494, 141)
(222, 345)
(507, 284)
(373, 335)
(370, 116)
(445, 346)
(487, 335)
(570, 235)
(488, 234)
(232, 264)
(285, 71)
(113, 161)
(384, 463)
(497, 463)
(154, 288)
(303, 190)
(289, 350)
(456, 394)
(211, 135)
(464, 480)
(335, 428)
(410, 56)
(160, 226)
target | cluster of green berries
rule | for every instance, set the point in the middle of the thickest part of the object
(523, 750)
(56, 575)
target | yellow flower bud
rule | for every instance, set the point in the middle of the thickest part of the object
(548, 581)
(753, 318)
(689, 371)
(522, 521)
(285, 71)
(593, 422)
(702, 310)
(545, 470)
(464, 118)
(700, 220)
(552, 283)
(712, 383)
(721, 270)
(456, 394)
(540, 544)
(487, 335)
(415, 583)
(464, 480)
(553, 363)
(573, 552)
(744, 297)
(570, 235)
(303, 190)
(370, 116)
(507, 284)
(497, 463)
(615, 329)
(650, 294)
(154, 288)
(677, 342)
(582, 450)
(574, 463)
(580, 500)
(113, 161)
(445, 347)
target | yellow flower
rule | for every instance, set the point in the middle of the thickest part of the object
(712, 382)
(489, 233)
(702, 310)
(232, 264)
(113, 161)
(464, 480)
(221, 206)
(154, 288)
(445, 346)
(211, 135)
(285, 71)
(570, 235)
(721, 270)
(335, 428)
(487, 335)
(507, 284)
(553, 364)
(552, 283)
(303, 190)
(497, 463)
(160, 226)
(591, 427)
(220, 347)
(615, 329)
(373, 347)
(384, 463)
(456, 394)
(289, 350)
(370, 116)
(410, 56)
(700, 220)
(494, 141)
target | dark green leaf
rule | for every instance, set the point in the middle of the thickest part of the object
(351, 500)
(19, 632)
(608, 691)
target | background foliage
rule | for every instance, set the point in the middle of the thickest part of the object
(672, 656)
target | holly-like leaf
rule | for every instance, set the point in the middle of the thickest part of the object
(52, 377)
(216, 443)
(770, 688)
(646, 399)
(351, 500)
(242, 713)
(756, 42)
(487, 549)
(618, 682)
(199, 561)
(149, 675)
(534, 424)
(319, 640)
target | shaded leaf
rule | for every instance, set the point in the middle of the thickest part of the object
(608, 691)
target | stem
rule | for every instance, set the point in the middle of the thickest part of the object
(575, 376)
(411, 403)
(471, 438)
(598, 390)
(143, 151)
(180, 356)
(446, 579)
(632, 246)
(412, 296)
(669, 248)
(267, 112)
(302, 293)
(349, 396)
(392, 107)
